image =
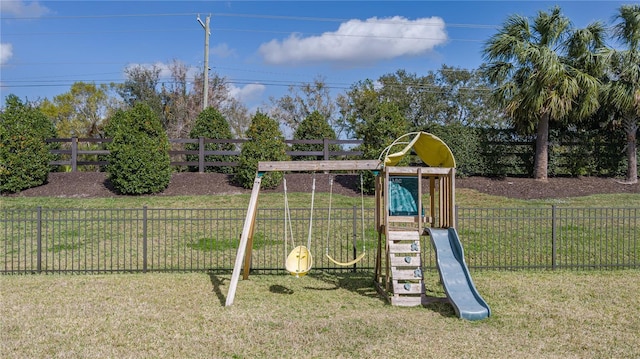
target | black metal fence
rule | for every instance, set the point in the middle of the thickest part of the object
(145, 239)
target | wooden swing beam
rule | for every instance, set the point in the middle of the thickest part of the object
(300, 166)
(246, 239)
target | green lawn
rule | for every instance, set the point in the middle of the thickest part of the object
(535, 315)
(464, 198)
(560, 314)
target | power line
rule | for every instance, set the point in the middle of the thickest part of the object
(427, 88)
(254, 16)
(220, 29)
(105, 16)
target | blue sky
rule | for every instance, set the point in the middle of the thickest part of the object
(261, 47)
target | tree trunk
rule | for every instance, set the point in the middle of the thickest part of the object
(541, 158)
(631, 127)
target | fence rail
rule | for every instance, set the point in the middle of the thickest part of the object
(87, 151)
(144, 239)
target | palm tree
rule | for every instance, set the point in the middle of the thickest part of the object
(537, 80)
(622, 90)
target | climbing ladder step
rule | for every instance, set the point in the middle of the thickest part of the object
(404, 235)
(405, 260)
(411, 247)
(407, 288)
(407, 301)
(406, 274)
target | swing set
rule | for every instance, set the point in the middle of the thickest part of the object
(299, 261)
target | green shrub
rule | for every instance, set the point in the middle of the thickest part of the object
(314, 127)
(266, 143)
(24, 154)
(139, 160)
(211, 124)
(382, 125)
(465, 144)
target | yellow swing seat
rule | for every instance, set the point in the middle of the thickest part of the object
(299, 261)
(351, 262)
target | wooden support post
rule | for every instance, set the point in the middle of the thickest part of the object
(74, 154)
(200, 154)
(421, 215)
(432, 196)
(248, 252)
(442, 203)
(452, 197)
(244, 239)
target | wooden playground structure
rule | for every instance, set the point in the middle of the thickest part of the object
(402, 217)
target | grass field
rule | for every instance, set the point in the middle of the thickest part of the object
(535, 315)
(539, 314)
(464, 198)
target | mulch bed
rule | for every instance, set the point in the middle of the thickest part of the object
(96, 184)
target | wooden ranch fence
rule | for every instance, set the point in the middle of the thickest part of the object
(79, 151)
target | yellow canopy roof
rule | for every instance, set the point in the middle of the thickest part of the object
(431, 150)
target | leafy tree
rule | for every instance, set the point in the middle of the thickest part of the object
(238, 116)
(211, 124)
(464, 97)
(622, 88)
(81, 112)
(536, 80)
(375, 120)
(266, 143)
(417, 98)
(302, 101)
(176, 102)
(448, 96)
(179, 106)
(371, 117)
(218, 92)
(24, 154)
(314, 127)
(139, 160)
(141, 85)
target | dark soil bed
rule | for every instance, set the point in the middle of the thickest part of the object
(96, 184)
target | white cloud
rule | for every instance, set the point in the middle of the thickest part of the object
(248, 93)
(23, 8)
(6, 52)
(222, 51)
(359, 42)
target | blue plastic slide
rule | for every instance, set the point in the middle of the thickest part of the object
(455, 277)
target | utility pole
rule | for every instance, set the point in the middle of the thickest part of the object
(207, 32)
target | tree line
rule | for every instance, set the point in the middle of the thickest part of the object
(543, 81)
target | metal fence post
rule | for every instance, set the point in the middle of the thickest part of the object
(39, 239)
(455, 216)
(553, 237)
(355, 235)
(144, 239)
